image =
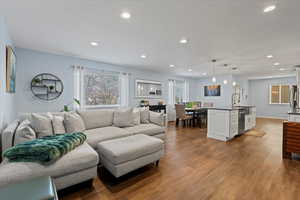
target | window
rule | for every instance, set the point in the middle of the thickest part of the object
(100, 88)
(279, 94)
(178, 91)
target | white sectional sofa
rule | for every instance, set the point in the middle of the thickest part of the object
(80, 164)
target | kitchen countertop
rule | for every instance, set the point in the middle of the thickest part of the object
(232, 108)
(294, 113)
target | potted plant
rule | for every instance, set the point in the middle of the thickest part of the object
(66, 107)
(51, 88)
(36, 81)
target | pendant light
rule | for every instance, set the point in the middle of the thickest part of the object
(225, 80)
(214, 78)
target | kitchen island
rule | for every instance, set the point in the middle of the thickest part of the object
(226, 123)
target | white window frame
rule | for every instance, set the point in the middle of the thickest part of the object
(270, 94)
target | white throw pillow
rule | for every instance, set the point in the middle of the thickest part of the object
(58, 124)
(136, 116)
(24, 133)
(145, 116)
(73, 123)
(157, 118)
(41, 124)
(123, 117)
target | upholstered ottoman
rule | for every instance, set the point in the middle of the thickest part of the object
(124, 155)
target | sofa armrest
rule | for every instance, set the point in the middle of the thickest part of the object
(158, 118)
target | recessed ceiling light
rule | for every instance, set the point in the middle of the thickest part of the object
(204, 73)
(269, 8)
(190, 70)
(94, 44)
(277, 63)
(183, 41)
(125, 15)
(144, 56)
(281, 69)
(270, 56)
(171, 65)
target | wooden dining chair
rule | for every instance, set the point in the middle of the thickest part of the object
(182, 116)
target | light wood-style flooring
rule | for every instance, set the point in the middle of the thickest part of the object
(196, 168)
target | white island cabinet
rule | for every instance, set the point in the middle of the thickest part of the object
(222, 124)
(294, 117)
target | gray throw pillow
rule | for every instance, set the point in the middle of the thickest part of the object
(73, 123)
(136, 117)
(41, 124)
(145, 116)
(8, 135)
(24, 133)
(123, 117)
(58, 124)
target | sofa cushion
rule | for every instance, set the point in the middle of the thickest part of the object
(147, 129)
(7, 135)
(157, 118)
(129, 148)
(97, 118)
(41, 124)
(94, 136)
(145, 116)
(58, 124)
(83, 157)
(73, 123)
(123, 117)
(24, 133)
(136, 116)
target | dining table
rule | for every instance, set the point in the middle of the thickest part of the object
(195, 111)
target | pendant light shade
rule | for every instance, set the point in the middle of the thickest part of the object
(225, 82)
(214, 78)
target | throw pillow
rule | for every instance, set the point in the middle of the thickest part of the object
(73, 123)
(157, 118)
(123, 117)
(8, 135)
(58, 124)
(24, 133)
(145, 116)
(41, 124)
(136, 117)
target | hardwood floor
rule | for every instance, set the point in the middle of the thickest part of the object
(195, 167)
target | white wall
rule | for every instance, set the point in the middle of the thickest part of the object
(7, 100)
(31, 63)
(259, 96)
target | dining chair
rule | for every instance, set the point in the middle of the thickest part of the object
(182, 116)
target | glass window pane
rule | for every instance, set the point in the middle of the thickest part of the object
(179, 91)
(285, 92)
(275, 93)
(101, 88)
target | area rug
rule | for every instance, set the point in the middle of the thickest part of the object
(256, 133)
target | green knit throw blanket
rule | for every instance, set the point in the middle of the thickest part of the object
(45, 150)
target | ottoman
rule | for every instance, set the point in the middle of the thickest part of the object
(123, 155)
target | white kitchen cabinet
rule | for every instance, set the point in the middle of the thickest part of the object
(250, 119)
(222, 124)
